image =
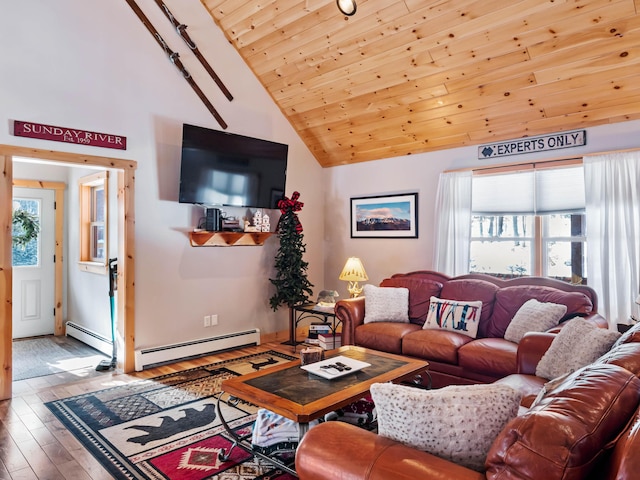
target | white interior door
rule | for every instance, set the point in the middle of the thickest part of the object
(34, 267)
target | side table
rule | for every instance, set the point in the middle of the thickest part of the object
(304, 311)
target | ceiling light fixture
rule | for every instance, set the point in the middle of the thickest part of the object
(348, 7)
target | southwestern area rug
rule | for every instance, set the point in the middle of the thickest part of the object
(167, 427)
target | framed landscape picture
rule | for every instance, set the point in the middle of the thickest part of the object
(385, 216)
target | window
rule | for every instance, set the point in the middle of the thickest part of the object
(93, 222)
(28, 254)
(529, 221)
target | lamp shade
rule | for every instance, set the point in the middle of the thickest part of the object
(353, 271)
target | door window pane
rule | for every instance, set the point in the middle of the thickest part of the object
(26, 255)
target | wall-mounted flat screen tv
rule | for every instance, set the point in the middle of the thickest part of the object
(220, 168)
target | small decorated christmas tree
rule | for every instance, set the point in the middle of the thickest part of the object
(292, 285)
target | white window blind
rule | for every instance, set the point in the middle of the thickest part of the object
(536, 191)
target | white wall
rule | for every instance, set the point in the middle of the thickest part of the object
(92, 65)
(419, 173)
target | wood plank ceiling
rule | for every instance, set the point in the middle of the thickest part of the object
(408, 76)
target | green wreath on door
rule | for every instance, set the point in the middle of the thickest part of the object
(26, 227)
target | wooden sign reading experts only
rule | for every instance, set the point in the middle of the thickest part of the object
(68, 135)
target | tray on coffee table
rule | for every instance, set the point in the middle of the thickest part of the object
(335, 367)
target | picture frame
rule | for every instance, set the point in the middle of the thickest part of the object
(385, 216)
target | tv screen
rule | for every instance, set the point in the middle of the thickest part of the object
(220, 168)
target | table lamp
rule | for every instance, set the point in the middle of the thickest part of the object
(353, 272)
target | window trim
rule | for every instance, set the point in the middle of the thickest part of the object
(86, 185)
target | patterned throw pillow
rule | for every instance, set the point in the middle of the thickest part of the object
(458, 423)
(534, 316)
(579, 343)
(386, 304)
(454, 315)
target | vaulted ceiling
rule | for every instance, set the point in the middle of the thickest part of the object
(408, 76)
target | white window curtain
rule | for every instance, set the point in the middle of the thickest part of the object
(612, 187)
(452, 227)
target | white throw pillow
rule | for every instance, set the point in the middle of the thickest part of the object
(386, 304)
(579, 343)
(534, 316)
(454, 315)
(458, 423)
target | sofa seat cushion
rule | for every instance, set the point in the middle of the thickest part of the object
(384, 336)
(337, 450)
(510, 299)
(491, 356)
(420, 291)
(528, 385)
(439, 345)
(565, 433)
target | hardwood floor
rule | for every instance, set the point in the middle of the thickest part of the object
(35, 445)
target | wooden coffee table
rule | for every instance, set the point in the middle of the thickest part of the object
(294, 393)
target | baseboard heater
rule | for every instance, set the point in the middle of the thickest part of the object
(90, 337)
(146, 357)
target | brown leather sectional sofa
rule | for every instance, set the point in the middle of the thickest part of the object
(455, 358)
(584, 427)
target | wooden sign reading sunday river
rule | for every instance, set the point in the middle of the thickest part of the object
(68, 135)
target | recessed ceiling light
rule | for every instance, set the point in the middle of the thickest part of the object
(348, 7)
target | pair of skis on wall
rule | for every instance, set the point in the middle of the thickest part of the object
(174, 57)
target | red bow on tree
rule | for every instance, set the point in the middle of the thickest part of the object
(292, 205)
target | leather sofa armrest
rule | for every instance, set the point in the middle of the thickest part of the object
(339, 450)
(595, 318)
(350, 312)
(531, 349)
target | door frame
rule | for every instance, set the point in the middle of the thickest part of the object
(58, 188)
(125, 313)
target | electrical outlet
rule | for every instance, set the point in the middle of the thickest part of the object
(207, 320)
(214, 319)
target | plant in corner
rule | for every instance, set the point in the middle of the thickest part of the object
(292, 285)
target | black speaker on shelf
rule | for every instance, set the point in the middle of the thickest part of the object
(212, 220)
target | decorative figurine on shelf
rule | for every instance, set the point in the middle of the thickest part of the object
(266, 226)
(257, 223)
(291, 282)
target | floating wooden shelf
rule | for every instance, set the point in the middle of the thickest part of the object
(227, 239)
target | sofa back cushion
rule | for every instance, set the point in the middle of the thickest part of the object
(470, 290)
(630, 336)
(420, 291)
(626, 356)
(510, 299)
(565, 433)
